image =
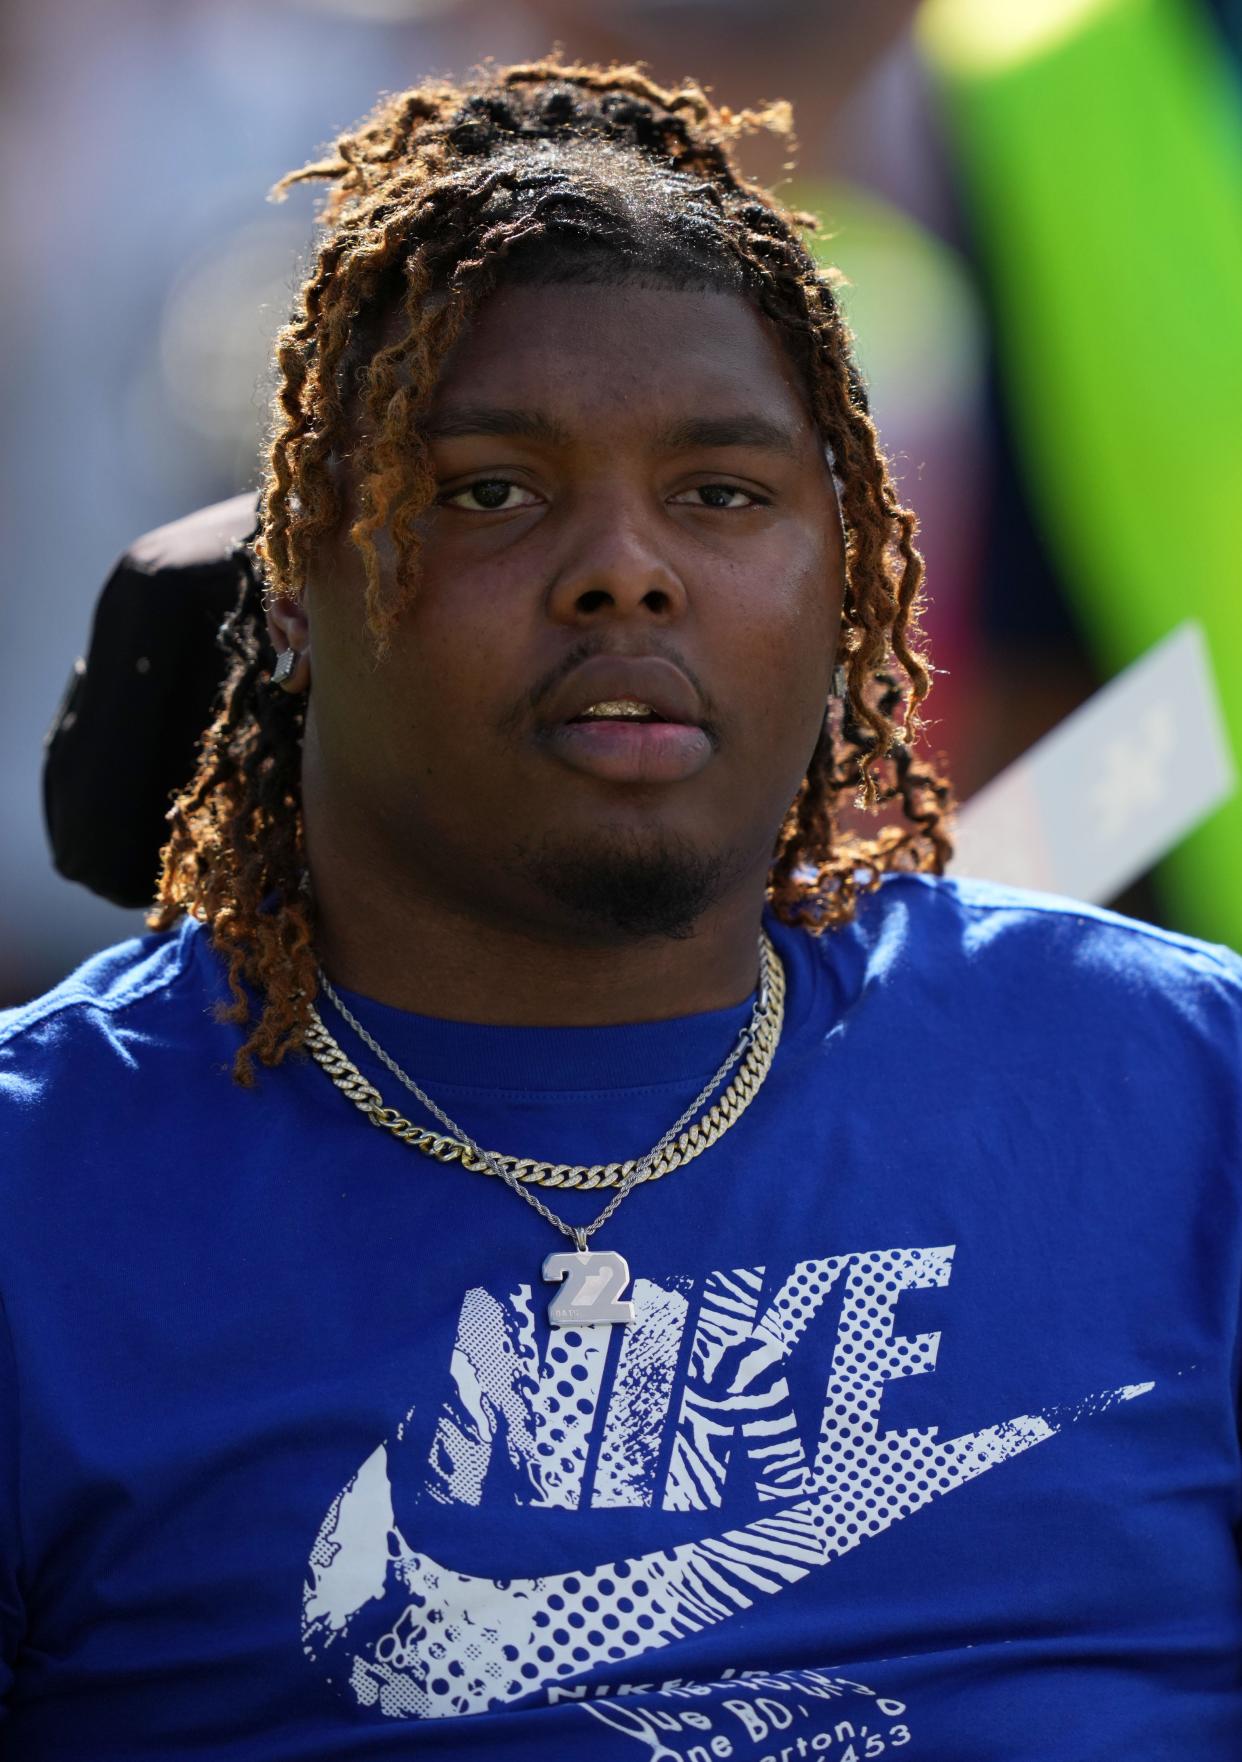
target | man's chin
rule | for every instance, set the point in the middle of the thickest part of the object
(630, 887)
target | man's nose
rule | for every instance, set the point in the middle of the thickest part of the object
(615, 563)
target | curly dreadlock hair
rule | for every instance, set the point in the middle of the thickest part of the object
(534, 174)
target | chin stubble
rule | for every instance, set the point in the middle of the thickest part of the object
(631, 888)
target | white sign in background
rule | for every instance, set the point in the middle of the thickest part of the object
(1111, 789)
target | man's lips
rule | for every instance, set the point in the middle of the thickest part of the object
(632, 752)
(645, 679)
(668, 749)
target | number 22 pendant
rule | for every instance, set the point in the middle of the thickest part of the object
(593, 1280)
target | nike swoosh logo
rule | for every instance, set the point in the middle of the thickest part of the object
(462, 1644)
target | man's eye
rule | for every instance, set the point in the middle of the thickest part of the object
(720, 495)
(490, 495)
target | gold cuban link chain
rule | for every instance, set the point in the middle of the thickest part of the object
(698, 1137)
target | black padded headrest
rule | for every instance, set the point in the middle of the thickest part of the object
(125, 736)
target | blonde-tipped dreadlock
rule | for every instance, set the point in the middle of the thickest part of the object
(550, 173)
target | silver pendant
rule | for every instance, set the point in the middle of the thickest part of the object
(593, 1282)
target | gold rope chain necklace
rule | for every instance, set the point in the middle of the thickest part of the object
(593, 1280)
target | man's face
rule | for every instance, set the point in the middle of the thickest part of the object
(604, 694)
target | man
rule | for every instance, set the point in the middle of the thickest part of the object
(543, 1366)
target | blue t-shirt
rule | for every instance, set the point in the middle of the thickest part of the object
(924, 1442)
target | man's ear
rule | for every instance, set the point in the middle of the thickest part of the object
(288, 625)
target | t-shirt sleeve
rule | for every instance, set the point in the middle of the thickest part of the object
(1231, 1049)
(12, 1613)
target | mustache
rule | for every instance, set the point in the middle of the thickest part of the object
(534, 700)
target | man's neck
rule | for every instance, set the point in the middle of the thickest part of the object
(405, 948)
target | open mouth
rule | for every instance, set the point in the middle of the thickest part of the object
(628, 719)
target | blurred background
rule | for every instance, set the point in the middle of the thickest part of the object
(1037, 204)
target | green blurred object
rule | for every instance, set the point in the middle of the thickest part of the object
(904, 289)
(1101, 148)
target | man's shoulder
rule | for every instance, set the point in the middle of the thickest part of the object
(961, 909)
(1018, 944)
(120, 998)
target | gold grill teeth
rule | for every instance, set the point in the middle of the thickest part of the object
(618, 708)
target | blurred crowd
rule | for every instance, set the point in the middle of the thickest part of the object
(146, 276)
